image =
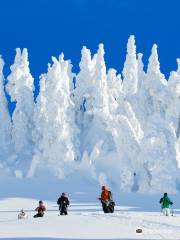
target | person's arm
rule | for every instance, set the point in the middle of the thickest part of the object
(60, 202)
(110, 196)
(36, 209)
(161, 200)
(170, 202)
(68, 202)
(101, 197)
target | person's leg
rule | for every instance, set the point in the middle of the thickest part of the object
(111, 207)
(65, 211)
(108, 209)
(164, 211)
(62, 211)
(167, 212)
(39, 215)
(104, 207)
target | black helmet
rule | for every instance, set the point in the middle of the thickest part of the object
(40, 202)
(165, 194)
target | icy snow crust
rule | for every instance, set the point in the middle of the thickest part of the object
(119, 130)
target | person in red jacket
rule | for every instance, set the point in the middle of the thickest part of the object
(105, 194)
(106, 200)
(40, 209)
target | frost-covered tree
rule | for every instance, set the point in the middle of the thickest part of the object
(5, 121)
(173, 109)
(114, 84)
(173, 99)
(141, 73)
(124, 132)
(141, 95)
(20, 87)
(92, 98)
(100, 92)
(84, 80)
(91, 91)
(55, 132)
(157, 146)
(152, 92)
(155, 81)
(130, 71)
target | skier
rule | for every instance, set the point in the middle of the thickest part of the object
(106, 200)
(22, 215)
(63, 203)
(165, 203)
(40, 209)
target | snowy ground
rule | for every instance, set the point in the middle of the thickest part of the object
(85, 219)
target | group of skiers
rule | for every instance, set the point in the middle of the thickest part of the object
(106, 200)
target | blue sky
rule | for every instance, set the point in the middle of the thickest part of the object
(48, 27)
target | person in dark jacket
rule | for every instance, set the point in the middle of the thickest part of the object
(63, 203)
(40, 209)
(165, 204)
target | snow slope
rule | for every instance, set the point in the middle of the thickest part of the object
(86, 219)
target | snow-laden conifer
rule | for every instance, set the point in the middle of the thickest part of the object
(55, 131)
(130, 70)
(5, 121)
(20, 87)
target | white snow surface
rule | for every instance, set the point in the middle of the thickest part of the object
(85, 219)
(119, 129)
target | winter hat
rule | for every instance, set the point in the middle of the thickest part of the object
(104, 188)
(63, 194)
(40, 202)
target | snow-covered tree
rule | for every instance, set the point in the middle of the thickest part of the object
(91, 91)
(84, 80)
(173, 99)
(141, 73)
(124, 132)
(130, 71)
(141, 94)
(155, 81)
(55, 132)
(114, 84)
(92, 98)
(101, 104)
(152, 92)
(5, 121)
(173, 109)
(20, 87)
(157, 146)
